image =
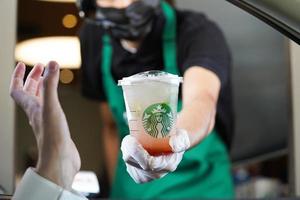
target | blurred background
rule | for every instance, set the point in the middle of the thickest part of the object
(263, 162)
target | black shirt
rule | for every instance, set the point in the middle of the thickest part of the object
(199, 43)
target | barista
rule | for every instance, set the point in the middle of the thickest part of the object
(124, 37)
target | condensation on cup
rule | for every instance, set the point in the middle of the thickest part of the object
(151, 105)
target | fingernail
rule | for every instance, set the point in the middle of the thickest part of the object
(21, 64)
(53, 67)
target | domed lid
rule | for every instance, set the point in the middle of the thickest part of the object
(153, 75)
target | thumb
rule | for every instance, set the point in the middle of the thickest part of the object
(51, 77)
(180, 141)
(133, 152)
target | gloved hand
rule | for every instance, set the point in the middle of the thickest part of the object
(143, 167)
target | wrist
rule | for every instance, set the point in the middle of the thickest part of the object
(59, 166)
(56, 176)
(51, 173)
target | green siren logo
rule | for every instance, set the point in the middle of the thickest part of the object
(158, 120)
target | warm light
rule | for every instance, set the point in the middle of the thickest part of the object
(69, 21)
(66, 76)
(86, 182)
(60, 1)
(65, 50)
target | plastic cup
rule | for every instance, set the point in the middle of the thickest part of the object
(151, 108)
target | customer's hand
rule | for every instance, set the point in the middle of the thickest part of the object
(143, 167)
(58, 159)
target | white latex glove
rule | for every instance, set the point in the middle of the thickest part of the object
(143, 167)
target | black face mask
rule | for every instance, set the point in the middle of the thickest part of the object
(131, 23)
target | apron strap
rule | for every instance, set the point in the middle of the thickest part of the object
(170, 43)
(169, 39)
(109, 82)
(113, 92)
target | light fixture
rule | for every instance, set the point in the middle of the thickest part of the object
(66, 76)
(69, 21)
(63, 49)
(60, 1)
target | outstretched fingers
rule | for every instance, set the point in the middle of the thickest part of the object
(50, 84)
(17, 78)
(53, 115)
(32, 80)
(16, 85)
(39, 92)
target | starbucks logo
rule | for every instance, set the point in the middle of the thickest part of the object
(158, 120)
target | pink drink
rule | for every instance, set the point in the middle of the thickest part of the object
(151, 106)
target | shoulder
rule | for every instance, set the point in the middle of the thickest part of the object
(90, 37)
(202, 43)
(190, 21)
(190, 17)
(90, 32)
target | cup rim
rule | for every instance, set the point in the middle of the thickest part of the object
(149, 76)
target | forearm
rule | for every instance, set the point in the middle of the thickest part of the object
(198, 118)
(200, 95)
(60, 173)
(58, 160)
(111, 148)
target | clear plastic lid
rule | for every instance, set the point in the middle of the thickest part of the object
(154, 75)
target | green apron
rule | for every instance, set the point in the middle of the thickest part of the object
(204, 171)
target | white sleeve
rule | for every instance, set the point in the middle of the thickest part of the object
(36, 187)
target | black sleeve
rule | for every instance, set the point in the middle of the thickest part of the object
(91, 75)
(202, 44)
